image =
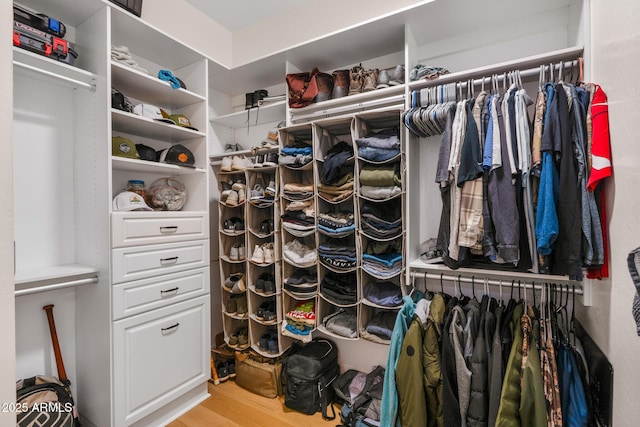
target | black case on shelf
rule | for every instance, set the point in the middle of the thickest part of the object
(133, 6)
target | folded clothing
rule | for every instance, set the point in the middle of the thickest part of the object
(296, 161)
(336, 219)
(303, 314)
(386, 211)
(337, 232)
(386, 138)
(294, 151)
(336, 248)
(377, 154)
(340, 288)
(386, 294)
(381, 271)
(379, 193)
(334, 166)
(298, 187)
(387, 259)
(375, 247)
(380, 175)
(381, 324)
(302, 276)
(343, 322)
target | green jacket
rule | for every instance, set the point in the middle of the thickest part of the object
(509, 411)
(533, 406)
(412, 402)
(431, 361)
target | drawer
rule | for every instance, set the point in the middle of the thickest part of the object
(158, 356)
(140, 262)
(147, 228)
(136, 297)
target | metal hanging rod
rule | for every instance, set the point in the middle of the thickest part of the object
(527, 284)
(89, 86)
(55, 286)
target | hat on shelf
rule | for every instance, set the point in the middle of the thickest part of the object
(177, 155)
(124, 147)
(152, 112)
(181, 120)
(130, 201)
(120, 102)
(147, 153)
(174, 81)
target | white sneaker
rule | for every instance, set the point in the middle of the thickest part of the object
(241, 163)
(258, 255)
(269, 253)
(234, 253)
(242, 253)
(226, 164)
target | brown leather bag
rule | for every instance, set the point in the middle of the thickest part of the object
(259, 374)
(302, 88)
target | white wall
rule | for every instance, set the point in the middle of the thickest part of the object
(7, 300)
(186, 23)
(306, 23)
(615, 46)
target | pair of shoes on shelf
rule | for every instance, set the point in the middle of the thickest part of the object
(264, 254)
(269, 342)
(226, 369)
(266, 284)
(233, 193)
(237, 252)
(261, 197)
(267, 311)
(235, 304)
(233, 225)
(240, 338)
(266, 227)
(235, 163)
(235, 283)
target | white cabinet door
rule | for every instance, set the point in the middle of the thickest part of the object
(158, 356)
(139, 262)
(146, 228)
(136, 297)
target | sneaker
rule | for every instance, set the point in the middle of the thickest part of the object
(225, 190)
(263, 344)
(243, 338)
(258, 160)
(240, 188)
(231, 367)
(270, 160)
(258, 255)
(223, 371)
(241, 304)
(229, 225)
(269, 253)
(231, 199)
(266, 227)
(241, 163)
(370, 80)
(257, 193)
(226, 164)
(234, 253)
(272, 344)
(230, 306)
(239, 223)
(383, 79)
(235, 283)
(270, 285)
(270, 191)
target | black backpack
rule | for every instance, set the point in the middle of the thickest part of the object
(43, 401)
(307, 375)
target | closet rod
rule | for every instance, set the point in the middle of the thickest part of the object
(54, 286)
(75, 82)
(479, 281)
(529, 72)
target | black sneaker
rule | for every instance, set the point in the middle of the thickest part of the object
(266, 227)
(258, 161)
(270, 159)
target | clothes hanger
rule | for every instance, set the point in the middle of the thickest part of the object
(441, 284)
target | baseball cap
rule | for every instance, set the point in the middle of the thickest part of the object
(181, 120)
(124, 147)
(177, 155)
(147, 153)
(152, 112)
(130, 201)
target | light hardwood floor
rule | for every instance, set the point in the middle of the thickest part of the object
(231, 405)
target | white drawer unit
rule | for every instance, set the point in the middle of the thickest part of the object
(136, 297)
(158, 356)
(140, 262)
(147, 228)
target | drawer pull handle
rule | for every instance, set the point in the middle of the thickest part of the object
(170, 327)
(169, 229)
(173, 259)
(169, 291)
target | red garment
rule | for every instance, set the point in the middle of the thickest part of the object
(600, 169)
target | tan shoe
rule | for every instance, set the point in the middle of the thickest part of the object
(370, 80)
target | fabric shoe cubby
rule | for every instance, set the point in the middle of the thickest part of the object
(299, 320)
(264, 280)
(376, 325)
(299, 283)
(267, 340)
(264, 309)
(337, 321)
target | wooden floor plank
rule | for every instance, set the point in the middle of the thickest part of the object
(232, 406)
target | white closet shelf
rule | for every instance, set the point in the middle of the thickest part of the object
(266, 113)
(149, 128)
(32, 64)
(45, 279)
(567, 54)
(136, 84)
(134, 165)
(479, 273)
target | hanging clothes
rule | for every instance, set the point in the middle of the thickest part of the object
(478, 411)
(431, 350)
(509, 410)
(550, 376)
(450, 405)
(533, 412)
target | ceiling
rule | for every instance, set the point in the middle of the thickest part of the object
(237, 14)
